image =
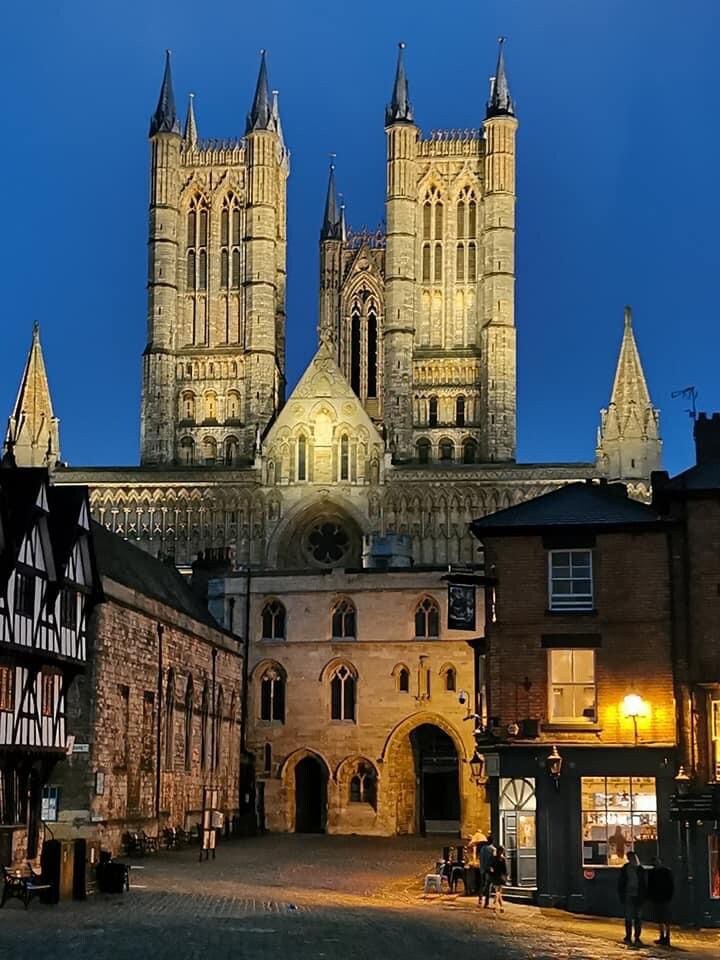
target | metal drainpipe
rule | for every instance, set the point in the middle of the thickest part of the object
(158, 746)
(213, 757)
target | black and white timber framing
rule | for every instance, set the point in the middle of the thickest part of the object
(48, 585)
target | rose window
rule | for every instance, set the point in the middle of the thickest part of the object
(327, 542)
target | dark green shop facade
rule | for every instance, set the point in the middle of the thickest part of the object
(567, 826)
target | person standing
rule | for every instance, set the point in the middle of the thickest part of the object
(660, 889)
(632, 890)
(486, 857)
(498, 878)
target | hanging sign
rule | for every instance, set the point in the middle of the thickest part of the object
(461, 606)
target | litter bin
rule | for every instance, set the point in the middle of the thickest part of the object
(87, 856)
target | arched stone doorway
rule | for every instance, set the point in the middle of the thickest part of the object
(437, 778)
(310, 796)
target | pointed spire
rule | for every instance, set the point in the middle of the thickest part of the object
(32, 434)
(629, 442)
(276, 116)
(190, 134)
(343, 225)
(261, 112)
(629, 385)
(164, 120)
(332, 218)
(500, 103)
(399, 110)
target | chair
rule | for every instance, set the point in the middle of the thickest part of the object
(433, 881)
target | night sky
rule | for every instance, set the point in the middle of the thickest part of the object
(619, 200)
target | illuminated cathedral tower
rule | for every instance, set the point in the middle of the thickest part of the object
(214, 365)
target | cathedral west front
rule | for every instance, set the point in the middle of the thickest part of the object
(401, 431)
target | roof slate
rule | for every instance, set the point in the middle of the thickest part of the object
(574, 505)
(127, 564)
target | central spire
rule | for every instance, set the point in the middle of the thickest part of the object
(500, 103)
(261, 111)
(164, 120)
(190, 134)
(332, 218)
(32, 434)
(399, 110)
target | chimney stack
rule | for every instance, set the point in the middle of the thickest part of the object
(707, 438)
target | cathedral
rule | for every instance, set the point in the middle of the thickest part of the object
(405, 420)
(324, 521)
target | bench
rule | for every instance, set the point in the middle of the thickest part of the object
(23, 886)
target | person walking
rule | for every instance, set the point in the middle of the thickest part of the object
(486, 857)
(498, 878)
(632, 890)
(660, 890)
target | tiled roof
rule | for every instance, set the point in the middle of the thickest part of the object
(599, 505)
(127, 564)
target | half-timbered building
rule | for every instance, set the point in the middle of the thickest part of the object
(47, 586)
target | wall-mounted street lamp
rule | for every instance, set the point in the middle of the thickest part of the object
(553, 763)
(633, 706)
(477, 767)
(682, 781)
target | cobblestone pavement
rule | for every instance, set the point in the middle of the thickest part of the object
(296, 898)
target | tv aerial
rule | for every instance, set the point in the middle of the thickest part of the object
(688, 393)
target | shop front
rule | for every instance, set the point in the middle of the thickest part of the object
(567, 821)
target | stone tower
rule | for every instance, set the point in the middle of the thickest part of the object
(423, 315)
(33, 435)
(629, 444)
(214, 365)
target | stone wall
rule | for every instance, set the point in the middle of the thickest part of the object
(111, 788)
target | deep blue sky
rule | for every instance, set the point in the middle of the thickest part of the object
(619, 200)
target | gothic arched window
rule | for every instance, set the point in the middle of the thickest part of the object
(460, 262)
(235, 276)
(187, 451)
(423, 450)
(344, 457)
(342, 694)
(205, 727)
(191, 227)
(427, 619)
(472, 218)
(355, 348)
(372, 358)
(187, 407)
(233, 405)
(447, 449)
(203, 233)
(426, 261)
(170, 721)
(302, 458)
(236, 233)
(469, 450)
(344, 620)
(267, 758)
(209, 450)
(438, 262)
(188, 721)
(427, 220)
(273, 621)
(363, 784)
(232, 451)
(272, 695)
(224, 226)
(438, 221)
(450, 679)
(433, 412)
(461, 219)
(472, 261)
(190, 274)
(460, 412)
(403, 680)
(224, 269)
(202, 271)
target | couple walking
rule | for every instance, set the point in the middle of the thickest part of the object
(493, 874)
(635, 887)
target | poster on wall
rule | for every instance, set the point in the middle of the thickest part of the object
(461, 606)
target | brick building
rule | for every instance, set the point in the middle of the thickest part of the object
(579, 734)
(692, 501)
(157, 716)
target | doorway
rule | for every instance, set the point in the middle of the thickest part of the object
(310, 796)
(518, 830)
(436, 766)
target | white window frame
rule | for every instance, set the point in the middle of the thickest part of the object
(578, 720)
(569, 602)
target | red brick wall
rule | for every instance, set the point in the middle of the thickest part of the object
(632, 616)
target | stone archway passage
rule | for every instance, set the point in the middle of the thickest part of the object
(437, 776)
(310, 796)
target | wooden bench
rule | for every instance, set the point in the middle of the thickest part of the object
(23, 886)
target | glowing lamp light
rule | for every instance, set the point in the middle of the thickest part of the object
(634, 706)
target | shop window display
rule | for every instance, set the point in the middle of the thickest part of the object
(619, 814)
